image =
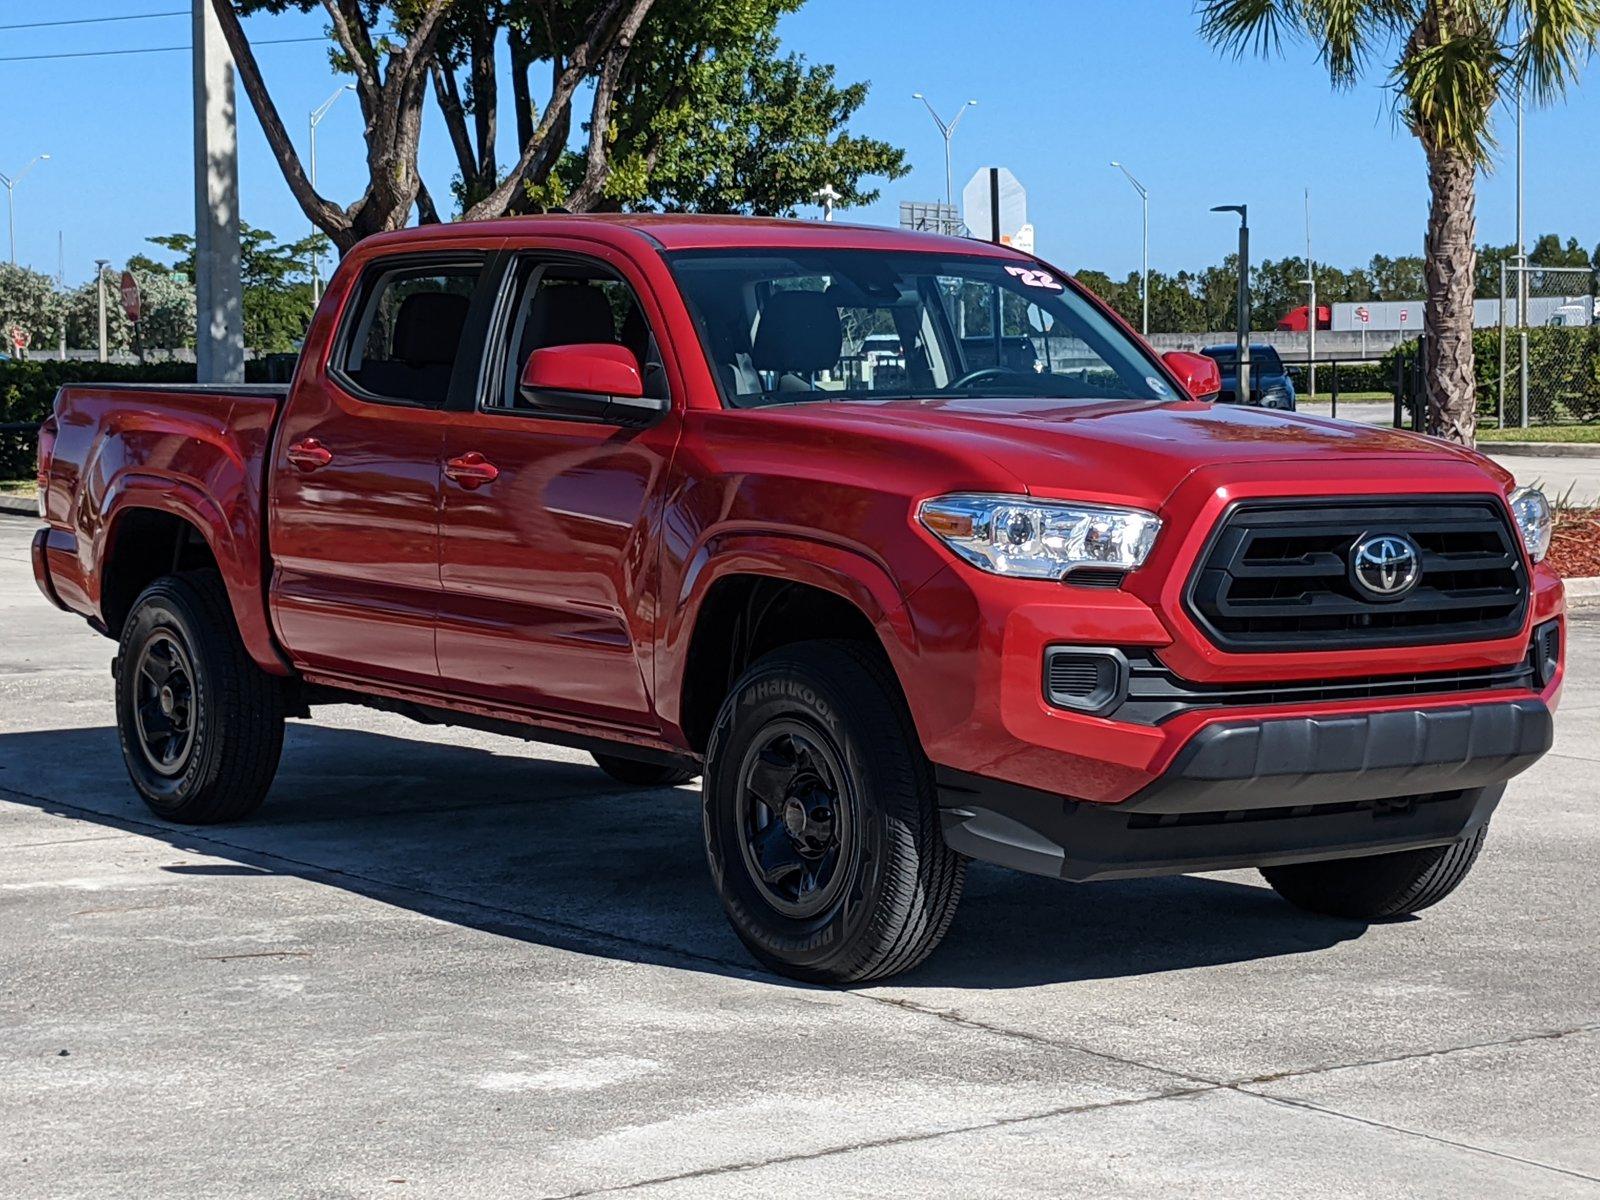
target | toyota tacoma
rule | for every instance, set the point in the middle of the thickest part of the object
(906, 545)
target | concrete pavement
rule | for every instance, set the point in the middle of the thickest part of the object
(440, 963)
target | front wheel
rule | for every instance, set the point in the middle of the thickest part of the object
(201, 725)
(820, 823)
(1378, 886)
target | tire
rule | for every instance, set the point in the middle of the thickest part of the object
(201, 743)
(642, 774)
(1378, 886)
(822, 729)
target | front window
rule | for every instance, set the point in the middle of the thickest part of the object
(787, 326)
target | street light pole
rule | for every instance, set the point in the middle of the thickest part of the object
(1311, 324)
(1242, 396)
(11, 182)
(948, 130)
(317, 114)
(1144, 277)
(100, 265)
(1522, 244)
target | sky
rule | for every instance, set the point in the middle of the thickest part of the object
(1063, 87)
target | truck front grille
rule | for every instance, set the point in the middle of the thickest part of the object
(1277, 575)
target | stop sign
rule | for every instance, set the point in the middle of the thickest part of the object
(130, 295)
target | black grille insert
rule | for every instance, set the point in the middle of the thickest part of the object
(1156, 693)
(1276, 575)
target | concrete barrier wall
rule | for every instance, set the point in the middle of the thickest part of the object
(1291, 347)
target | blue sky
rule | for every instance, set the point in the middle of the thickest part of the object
(1064, 86)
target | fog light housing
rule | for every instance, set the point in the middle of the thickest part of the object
(1547, 651)
(1085, 679)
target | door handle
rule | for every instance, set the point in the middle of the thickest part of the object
(308, 454)
(471, 470)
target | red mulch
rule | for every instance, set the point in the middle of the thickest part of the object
(1575, 547)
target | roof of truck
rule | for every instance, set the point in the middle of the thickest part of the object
(697, 231)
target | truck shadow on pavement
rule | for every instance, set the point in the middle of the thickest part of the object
(555, 853)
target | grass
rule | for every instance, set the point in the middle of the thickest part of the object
(1541, 433)
(18, 487)
(1324, 396)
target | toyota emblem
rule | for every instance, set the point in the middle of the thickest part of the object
(1385, 565)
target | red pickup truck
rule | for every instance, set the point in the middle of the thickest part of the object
(1006, 587)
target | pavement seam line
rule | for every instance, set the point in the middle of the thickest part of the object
(1309, 1106)
(903, 1139)
(1543, 1035)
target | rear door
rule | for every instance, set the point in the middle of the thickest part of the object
(548, 569)
(355, 481)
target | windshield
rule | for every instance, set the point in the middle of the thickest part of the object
(788, 326)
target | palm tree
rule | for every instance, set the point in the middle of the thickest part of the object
(1452, 61)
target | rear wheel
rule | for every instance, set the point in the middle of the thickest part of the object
(1380, 885)
(821, 828)
(201, 725)
(642, 774)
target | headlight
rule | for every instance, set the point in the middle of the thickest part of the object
(1012, 535)
(1534, 519)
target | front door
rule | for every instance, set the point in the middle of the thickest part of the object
(547, 540)
(355, 482)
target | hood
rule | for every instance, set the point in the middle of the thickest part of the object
(1129, 452)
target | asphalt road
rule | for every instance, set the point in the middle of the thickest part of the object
(445, 964)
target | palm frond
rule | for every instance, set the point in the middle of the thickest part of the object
(1556, 38)
(1448, 83)
(1248, 26)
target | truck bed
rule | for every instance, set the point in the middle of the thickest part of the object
(197, 452)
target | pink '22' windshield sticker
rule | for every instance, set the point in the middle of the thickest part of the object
(1032, 277)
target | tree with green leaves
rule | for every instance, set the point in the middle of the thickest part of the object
(29, 301)
(275, 277)
(1451, 61)
(394, 50)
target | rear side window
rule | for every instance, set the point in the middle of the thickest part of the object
(407, 336)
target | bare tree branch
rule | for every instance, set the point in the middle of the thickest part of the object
(323, 213)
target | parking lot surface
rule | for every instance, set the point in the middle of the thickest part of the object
(440, 963)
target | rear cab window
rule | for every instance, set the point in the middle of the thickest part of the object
(405, 337)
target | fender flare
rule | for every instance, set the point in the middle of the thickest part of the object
(241, 571)
(846, 571)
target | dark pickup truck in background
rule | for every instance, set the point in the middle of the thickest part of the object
(1028, 597)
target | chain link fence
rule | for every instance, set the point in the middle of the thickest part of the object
(1549, 346)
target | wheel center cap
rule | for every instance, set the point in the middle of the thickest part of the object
(168, 702)
(794, 817)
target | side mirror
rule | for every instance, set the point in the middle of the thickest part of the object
(597, 380)
(1200, 375)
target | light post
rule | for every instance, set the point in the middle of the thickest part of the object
(11, 182)
(1144, 277)
(1311, 324)
(1242, 396)
(100, 265)
(948, 130)
(317, 114)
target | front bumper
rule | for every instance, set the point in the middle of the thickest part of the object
(1260, 792)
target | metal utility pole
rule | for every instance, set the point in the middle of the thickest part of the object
(61, 284)
(219, 294)
(1144, 275)
(11, 182)
(100, 265)
(1311, 323)
(948, 131)
(317, 114)
(1243, 395)
(1522, 243)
